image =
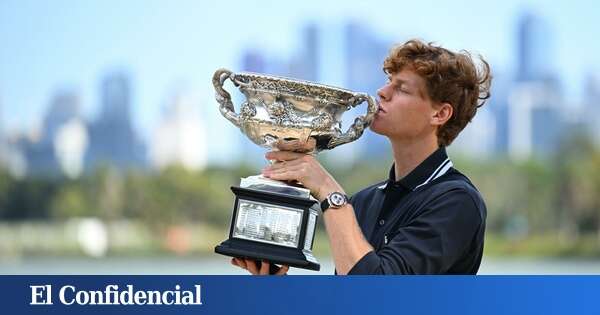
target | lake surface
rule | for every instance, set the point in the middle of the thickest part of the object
(219, 265)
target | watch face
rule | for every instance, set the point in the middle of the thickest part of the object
(337, 199)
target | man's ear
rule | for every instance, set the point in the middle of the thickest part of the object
(442, 113)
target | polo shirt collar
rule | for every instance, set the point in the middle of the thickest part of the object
(434, 166)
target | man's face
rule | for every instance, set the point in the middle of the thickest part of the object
(405, 109)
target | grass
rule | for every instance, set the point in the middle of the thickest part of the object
(547, 245)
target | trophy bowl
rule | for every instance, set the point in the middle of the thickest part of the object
(272, 220)
(289, 114)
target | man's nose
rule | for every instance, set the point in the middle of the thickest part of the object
(381, 93)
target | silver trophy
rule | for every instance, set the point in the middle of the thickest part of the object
(273, 220)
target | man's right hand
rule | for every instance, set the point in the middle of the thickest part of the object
(262, 270)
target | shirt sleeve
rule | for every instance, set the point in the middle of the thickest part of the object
(431, 243)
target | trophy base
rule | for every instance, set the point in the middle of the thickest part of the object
(274, 224)
(292, 257)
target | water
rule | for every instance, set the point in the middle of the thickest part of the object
(219, 265)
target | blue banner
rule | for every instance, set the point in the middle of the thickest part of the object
(300, 295)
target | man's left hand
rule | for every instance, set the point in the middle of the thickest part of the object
(303, 168)
(259, 270)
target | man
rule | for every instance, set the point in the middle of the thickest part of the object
(427, 218)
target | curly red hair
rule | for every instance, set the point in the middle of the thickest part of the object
(450, 77)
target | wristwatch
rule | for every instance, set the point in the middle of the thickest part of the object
(334, 200)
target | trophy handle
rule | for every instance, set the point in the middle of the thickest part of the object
(223, 97)
(360, 123)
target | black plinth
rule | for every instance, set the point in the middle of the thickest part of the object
(295, 253)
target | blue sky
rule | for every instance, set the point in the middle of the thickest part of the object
(46, 46)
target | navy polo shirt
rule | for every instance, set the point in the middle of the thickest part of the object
(432, 221)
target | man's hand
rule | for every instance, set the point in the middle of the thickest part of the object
(303, 168)
(250, 265)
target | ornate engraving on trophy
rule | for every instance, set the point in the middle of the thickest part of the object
(267, 223)
(248, 110)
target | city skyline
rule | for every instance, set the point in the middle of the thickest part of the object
(527, 111)
(51, 54)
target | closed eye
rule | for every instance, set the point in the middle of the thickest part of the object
(402, 89)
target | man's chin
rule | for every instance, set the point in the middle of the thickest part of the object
(374, 128)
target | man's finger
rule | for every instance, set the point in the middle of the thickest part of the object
(283, 155)
(282, 175)
(251, 266)
(241, 263)
(289, 168)
(284, 164)
(264, 268)
(282, 270)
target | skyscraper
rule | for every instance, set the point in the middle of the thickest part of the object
(64, 107)
(112, 137)
(62, 140)
(536, 109)
(253, 61)
(498, 106)
(180, 137)
(535, 51)
(305, 63)
(535, 120)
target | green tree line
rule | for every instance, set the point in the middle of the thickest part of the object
(558, 195)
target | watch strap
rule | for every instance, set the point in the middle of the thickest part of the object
(325, 205)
